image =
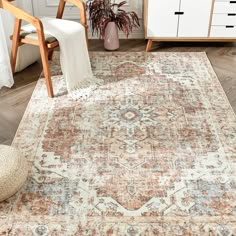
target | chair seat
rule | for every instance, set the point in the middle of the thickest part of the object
(34, 36)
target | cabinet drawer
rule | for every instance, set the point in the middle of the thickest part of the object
(223, 32)
(224, 19)
(225, 7)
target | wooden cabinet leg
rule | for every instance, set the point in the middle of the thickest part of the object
(149, 45)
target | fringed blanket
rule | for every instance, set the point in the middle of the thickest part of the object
(74, 57)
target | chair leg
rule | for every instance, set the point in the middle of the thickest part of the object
(46, 69)
(50, 55)
(44, 55)
(15, 44)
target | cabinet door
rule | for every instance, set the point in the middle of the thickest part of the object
(195, 19)
(161, 20)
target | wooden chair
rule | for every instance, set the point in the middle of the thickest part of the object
(46, 43)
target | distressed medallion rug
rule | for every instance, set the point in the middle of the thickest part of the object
(151, 152)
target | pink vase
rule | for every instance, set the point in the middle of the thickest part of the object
(111, 38)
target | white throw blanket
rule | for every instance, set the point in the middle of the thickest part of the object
(74, 57)
(6, 78)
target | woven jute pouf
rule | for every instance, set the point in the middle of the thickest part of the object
(13, 171)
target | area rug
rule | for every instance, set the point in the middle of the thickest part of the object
(151, 152)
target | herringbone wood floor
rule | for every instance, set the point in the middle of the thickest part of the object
(14, 101)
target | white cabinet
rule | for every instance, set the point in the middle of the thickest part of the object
(183, 18)
(189, 20)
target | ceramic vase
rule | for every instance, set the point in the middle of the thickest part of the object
(111, 38)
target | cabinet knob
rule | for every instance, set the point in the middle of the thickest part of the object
(179, 13)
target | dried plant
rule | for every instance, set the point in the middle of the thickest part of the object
(101, 12)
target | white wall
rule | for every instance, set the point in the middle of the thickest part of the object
(49, 8)
(27, 5)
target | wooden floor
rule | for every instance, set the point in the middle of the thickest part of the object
(13, 101)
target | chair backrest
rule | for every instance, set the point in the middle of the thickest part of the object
(20, 14)
(82, 9)
(79, 4)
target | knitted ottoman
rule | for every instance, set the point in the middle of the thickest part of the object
(13, 171)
